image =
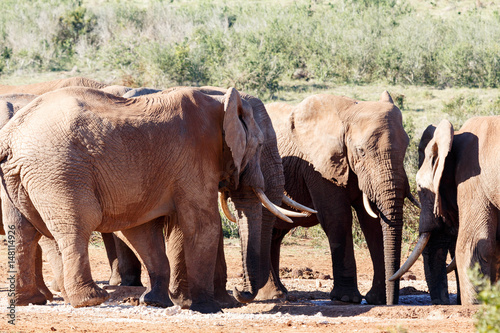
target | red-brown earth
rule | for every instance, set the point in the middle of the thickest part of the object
(306, 271)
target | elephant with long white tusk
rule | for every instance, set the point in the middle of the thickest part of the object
(340, 153)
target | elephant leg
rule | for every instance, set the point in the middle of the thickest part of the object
(109, 244)
(81, 289)
(129, 267)
(452, 254)
(201, 233)
(148, 242)
(25, 255)
(335, 216)
(39, 275)
(476, 242)
(372, 230)
(274, 288)
(179, 286)
(435, 254)
(54, 257)
(220, 277)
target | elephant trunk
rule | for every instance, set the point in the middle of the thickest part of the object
(249, 218)
(390, 202)
(392, 257)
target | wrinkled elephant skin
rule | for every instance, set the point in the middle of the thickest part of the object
(334, 149)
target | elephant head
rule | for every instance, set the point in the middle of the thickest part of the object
(438, 225)
(339, 135)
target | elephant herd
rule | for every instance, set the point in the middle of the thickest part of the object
(146, 167)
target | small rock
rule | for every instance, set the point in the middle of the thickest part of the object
(318, 284)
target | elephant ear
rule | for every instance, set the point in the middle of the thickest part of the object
(424, 141)
(241, 133)
(319, 133)
(385, 97)
(436, 151)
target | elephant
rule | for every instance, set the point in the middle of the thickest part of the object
(43, 87)
(458, 184)
(140, 92)
(11, 103)
(116, 90)
(340, 153)
(274, 189)
(134, 162)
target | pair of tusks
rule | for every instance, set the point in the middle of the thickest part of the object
(369, 210)
(276, 210)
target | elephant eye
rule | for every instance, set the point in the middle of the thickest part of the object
(361, 151)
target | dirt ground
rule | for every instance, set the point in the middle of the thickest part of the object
(306, 271)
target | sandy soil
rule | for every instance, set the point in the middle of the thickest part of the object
(306, 268)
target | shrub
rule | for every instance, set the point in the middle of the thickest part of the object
(488, 316)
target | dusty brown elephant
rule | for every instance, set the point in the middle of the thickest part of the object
(101, 144)
(46, 86)
(274, 187)
(18, 97)
(337, 151)
(459, 188)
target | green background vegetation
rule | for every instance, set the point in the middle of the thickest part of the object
(438, 58)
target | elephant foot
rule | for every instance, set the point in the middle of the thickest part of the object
(180, 298)
(130, 281)
(158, 299)
(225, 300)
(348, 295)
(54, 286)
(115, 279)
(36, 298)
(376, 297)
(271, 292)
(206, 307)
(88, 296)
(46, 292)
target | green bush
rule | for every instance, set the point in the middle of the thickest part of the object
(488, 316)
(256, 46)
(462, 107)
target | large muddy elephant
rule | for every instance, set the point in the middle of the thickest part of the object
(340, 153)
(80, 160)
(272, 170)
(41, 88)
(13, 98)
(459, 188)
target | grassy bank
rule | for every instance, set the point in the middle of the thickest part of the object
(255, 45)
(437, 58)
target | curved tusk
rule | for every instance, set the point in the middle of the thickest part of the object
(451, 266)
(417, 251)
(368, 207)
(278, 211)
(225, 208)
(413, 200)
(294, 204)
